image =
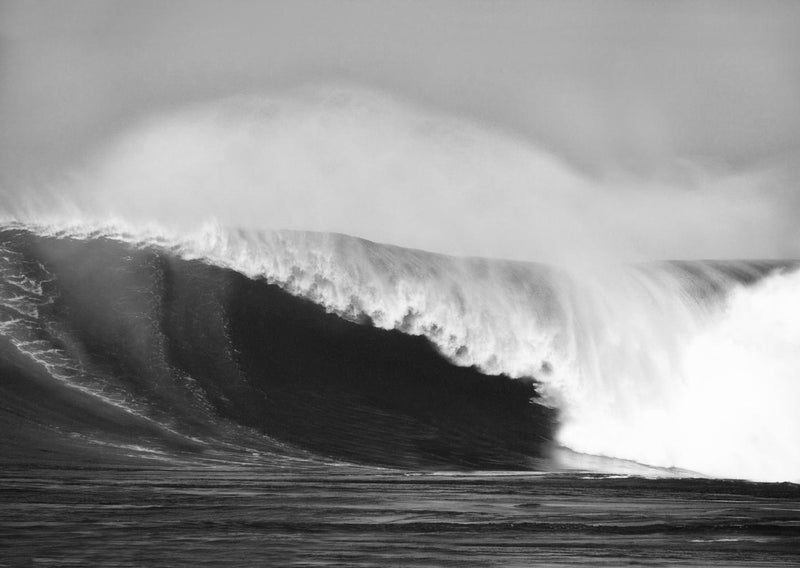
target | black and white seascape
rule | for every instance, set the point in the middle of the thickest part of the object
(450, 283)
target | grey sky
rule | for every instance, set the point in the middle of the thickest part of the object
(639, 87)
(607, 84)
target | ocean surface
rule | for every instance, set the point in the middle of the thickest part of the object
(240, 398)
(252, 515)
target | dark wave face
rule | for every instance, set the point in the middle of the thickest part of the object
(107, 349)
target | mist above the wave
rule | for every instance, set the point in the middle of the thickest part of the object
(361, 163)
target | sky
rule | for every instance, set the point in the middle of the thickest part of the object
(700, 100)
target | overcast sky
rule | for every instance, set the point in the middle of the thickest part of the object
(639, 87)
(620, 82)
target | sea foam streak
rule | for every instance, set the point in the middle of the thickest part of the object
(686, 365)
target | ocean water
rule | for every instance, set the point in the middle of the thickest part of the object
(346, 516)
(235, 398)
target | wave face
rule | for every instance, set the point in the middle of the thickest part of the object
(308, 345)
(137, 349)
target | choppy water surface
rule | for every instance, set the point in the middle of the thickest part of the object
(345, 516)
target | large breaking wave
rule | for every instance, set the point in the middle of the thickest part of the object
(124, 325)
(179, 339)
